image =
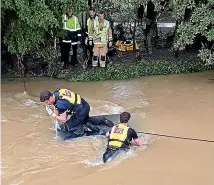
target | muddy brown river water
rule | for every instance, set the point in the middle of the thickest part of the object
(180, 105)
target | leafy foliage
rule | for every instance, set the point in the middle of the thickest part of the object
(124, 11)
(199, 23)
(51, 57)
(31, 26)
(195, 20)
(207, 55)
(31, 23)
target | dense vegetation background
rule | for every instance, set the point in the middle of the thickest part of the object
(30, 30)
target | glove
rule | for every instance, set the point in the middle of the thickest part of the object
(79, 40)
(86, 41)
(90, 42)
(49, 110)
(110, 44)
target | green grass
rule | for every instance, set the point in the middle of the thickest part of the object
(130, 70)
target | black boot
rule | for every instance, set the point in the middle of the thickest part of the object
(90, 129)
(106, 122)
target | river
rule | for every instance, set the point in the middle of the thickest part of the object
(179, 105)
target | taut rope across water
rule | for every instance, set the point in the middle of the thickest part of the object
(178, 137)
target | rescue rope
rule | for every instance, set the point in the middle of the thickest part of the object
(179, 137)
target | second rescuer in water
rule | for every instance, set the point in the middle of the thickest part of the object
(120, 137)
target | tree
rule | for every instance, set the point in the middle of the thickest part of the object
(33, 24)
(195, 19)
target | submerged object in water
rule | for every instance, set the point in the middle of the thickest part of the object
(109, 155)
(95, 125)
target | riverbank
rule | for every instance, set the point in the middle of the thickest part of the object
(126, 66)
(138, 69)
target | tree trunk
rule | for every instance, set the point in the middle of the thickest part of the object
(21, 69)
(134, 32)
(174, 39)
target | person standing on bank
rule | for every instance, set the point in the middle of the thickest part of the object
(90, 22)
(101, 35)
(72, 38)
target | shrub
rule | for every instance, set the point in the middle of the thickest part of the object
(139, 69)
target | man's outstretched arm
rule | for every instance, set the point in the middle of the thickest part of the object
(138, 142)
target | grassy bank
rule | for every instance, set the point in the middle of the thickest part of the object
(131, 70)
(125, 69)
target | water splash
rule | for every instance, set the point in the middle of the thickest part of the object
(105, 107)
(3, 119)
(30, 103)
(55, 125)
(98, 161)
(17, 183)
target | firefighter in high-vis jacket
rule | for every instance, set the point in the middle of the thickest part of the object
(72, 38)
(90, 22)
(68, 103)
(120, 137)
(72, 112)
(100, 34)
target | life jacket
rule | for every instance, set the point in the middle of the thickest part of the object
(118, 136)
(101, 35)
(71, 97)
